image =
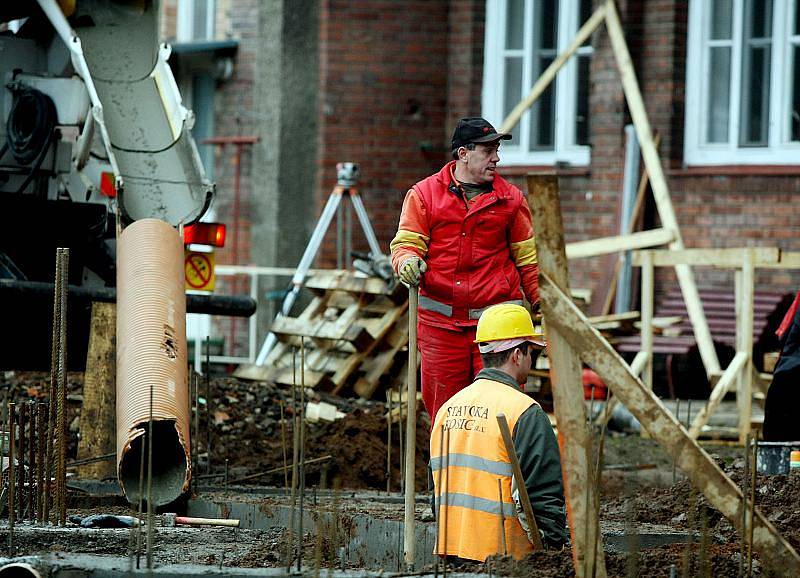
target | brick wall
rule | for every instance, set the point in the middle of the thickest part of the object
(383, 97)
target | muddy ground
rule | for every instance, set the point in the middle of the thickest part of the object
(244, 427)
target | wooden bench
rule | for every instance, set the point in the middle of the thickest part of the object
(682, 373)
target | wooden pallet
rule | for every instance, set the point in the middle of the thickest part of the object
(352, 330)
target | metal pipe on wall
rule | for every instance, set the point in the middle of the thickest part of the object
(151, 352)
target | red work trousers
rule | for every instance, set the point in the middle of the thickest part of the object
(450, 360)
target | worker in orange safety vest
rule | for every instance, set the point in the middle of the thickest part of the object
(465, 237)
(468, 457)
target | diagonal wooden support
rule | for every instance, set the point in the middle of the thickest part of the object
(706, 476)
(566, 376)
(720, 389)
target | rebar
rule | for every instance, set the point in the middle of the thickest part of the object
(295, 444)
(141, 506)
(196, 436)
(745, 480)
(42, 474)
(11, 477)
(225, 482)
(21, 477)
(284, 447)
(52, 391)
(62, 389)
(302, 451)
(502, 518)
(32, 461)
(678, 418)
(208, 404)
(150, 484)
(388, 440)
(437, 503)
(446, 497)
(402, 438)
(753, 479)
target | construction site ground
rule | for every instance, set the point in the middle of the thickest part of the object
(644, 502)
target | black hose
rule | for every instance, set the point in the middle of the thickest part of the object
(29, 129)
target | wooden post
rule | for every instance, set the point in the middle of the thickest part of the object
(744, 344)
(703, 472)
(658, 184)
(566, 376)
(648, 287)
(98, 417)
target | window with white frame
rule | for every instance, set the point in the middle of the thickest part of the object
(195, 20)
(522, 38)
(743, 82)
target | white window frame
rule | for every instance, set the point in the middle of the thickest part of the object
(515, 152)
(779, 150)
(185, 23)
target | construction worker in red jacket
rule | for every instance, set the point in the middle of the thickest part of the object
(465, 237)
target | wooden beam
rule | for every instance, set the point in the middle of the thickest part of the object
(658, 183)
(574, 438)
(605, 245)
(648, 288)
(701, 470)
(720, 389)
(720, 258)
(744, 341)
(353, 333)
(550, 72)
(98, 414)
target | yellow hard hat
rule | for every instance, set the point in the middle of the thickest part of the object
(507, 321)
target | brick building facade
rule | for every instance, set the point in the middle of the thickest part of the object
(389, 81)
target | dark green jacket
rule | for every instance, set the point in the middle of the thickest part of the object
(540, 462)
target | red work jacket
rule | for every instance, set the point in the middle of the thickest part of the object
(475, 251)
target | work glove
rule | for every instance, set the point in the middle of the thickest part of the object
(411, 271)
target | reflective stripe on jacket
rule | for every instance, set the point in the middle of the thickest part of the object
(468, 502)
(478, 253)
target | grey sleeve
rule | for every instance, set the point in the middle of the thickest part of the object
(540, 462)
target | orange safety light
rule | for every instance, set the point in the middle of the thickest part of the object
(107, 187)
(204, 234)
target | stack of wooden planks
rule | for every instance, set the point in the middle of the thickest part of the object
(352, 330)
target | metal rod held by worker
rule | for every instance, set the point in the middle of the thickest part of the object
(411, 427)
(523, 493)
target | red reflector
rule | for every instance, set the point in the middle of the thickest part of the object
(107, 187)
(204, 234)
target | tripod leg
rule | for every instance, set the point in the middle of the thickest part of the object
(305, 264)
(363, 218)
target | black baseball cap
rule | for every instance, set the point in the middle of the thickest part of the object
(475, 130)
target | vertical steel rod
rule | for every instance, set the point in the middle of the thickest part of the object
(753, 480)
(32, 461)
(196, 428)
(302, 451)
(437, 503)
(21, 477)
(150, 484)
(41, 473)
(503, 516)
(62, 390)
(11, 477)
(388, 440)
(745, 481)
(208, 404)
(53, 386)
(446, 497)
(283, 446)
(295, 446)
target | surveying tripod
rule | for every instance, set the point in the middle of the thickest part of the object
(346, 178)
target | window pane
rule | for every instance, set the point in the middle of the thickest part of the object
(582, 104)
(200, 24)
(796, 94)
(512, 92)
(719, 94)
(721, 19)
(797, 18)
(761, 14)
(542, 128)
(756, 58)
(515, 22)
(546, 23)
(755, 98)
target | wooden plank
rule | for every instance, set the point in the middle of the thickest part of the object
(720, 389)
(321, 329)
(397, 339)
(698, 466)
(648, 289)
(721, 258)
(346, 281)
(565, 375)
(658, 183)
(285, 375)
(98, 413)
(625, 316)
(744, 338)
(550, 72)
(605, 245)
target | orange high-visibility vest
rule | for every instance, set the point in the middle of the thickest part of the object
(465, 474)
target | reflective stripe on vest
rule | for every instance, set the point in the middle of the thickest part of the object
(473, 462)
(447, 310)
(480, 504)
